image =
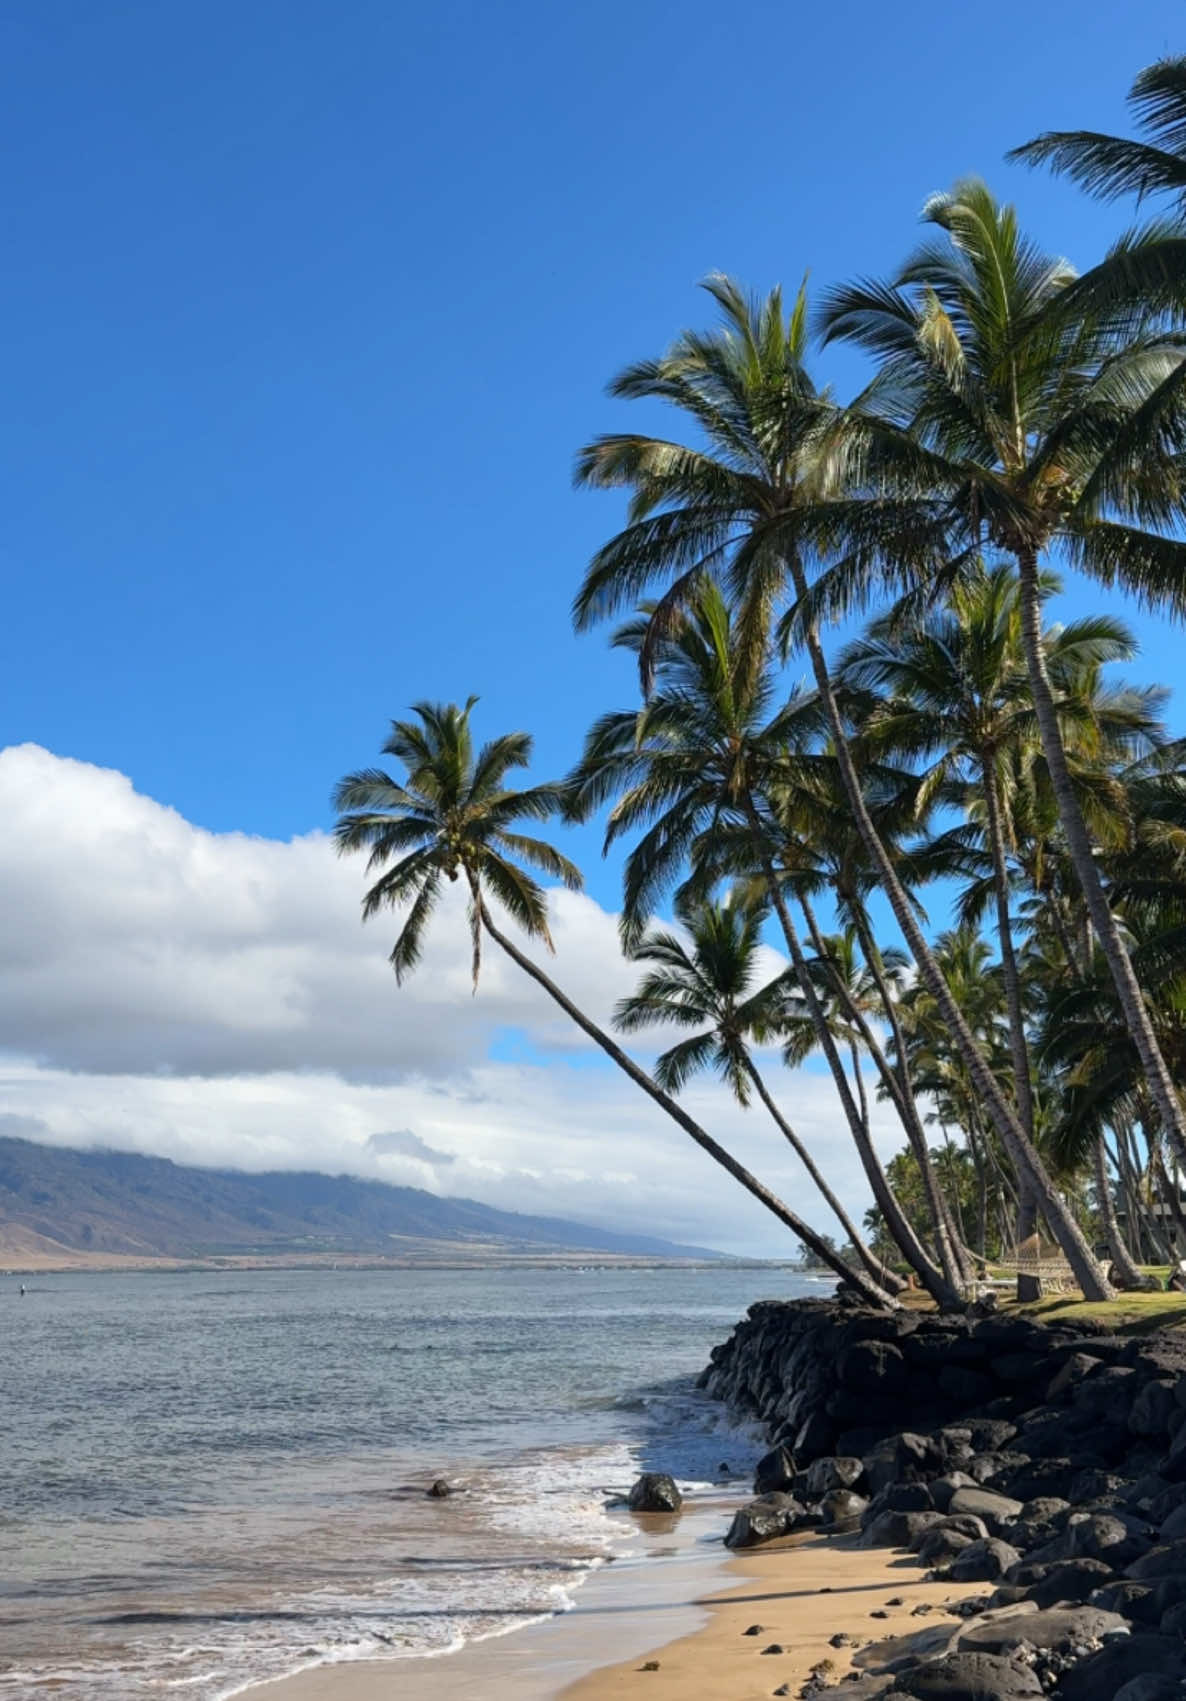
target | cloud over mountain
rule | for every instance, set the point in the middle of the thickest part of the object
(212, 997)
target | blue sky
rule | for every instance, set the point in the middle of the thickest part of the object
(308, 306)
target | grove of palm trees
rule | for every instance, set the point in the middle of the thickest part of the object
(862, 737)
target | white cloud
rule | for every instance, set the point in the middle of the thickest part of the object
(213, 998)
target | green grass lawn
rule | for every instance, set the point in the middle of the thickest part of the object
(1130, 1314)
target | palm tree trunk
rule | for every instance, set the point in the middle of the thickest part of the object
(1018, 1047)
(950, 1261)
(885, 1278)
(868, 1289)
(1130, 1276)
(1082, 854)
(1022, 1152)
(896, 1221)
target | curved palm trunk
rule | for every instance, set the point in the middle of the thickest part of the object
(885, 1278)
(1130, 1276)
(868, 1289)
(903, 1102)
(1136, 1014)
(896, 1220)
(1022, 1152)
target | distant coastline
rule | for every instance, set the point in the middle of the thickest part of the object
(18, 1261)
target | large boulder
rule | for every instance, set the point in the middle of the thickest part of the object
(1150, 1686)
(1056, 1628)
(764, 1520)
(997, 1510)
(984, 1561)
(1102, 1535)
(1144, 1654)
(898, 1529)
(828, 1474)
(1166, 1560)
(842, 1509)
(969, 1677)
(655, 1491)
(942, 1488)
(775, 1471)
(1072, 1581)
(937, 1547)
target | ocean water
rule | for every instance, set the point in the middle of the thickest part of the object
(211, 1479)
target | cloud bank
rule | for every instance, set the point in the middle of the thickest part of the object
(213, 997)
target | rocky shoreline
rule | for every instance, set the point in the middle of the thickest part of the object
(1046, 1462)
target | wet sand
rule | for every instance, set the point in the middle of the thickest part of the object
(681, 1602)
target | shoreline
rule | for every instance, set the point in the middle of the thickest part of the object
(641, 1599)
(682, 1606)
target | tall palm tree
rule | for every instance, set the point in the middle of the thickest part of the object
(992, 421)
(453, 817)
(953, 691)
(697, 762)
(708, 984)
(761, 494)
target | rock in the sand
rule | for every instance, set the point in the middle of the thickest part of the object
(969, 1677)
(754, 1630)
(897, 1529)
(842, 1509)
(983, 1562)
(775, 1471)
(938, 1547)
(997, 1510)
(1058, 1628)
(440, 1490)
(1140, 1655)
(764, 1520)
(774, 1648)
(655, 1491)
(972, 1529)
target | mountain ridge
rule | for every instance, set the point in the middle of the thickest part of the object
(101, 1204)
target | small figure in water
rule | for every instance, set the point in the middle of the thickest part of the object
(22, 1290)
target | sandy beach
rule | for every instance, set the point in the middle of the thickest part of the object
(671, 1625)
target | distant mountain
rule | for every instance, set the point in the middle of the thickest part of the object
(105, 1205)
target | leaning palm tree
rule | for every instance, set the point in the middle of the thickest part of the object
(994, 422)
(762, 490)
(708, 984)
(698, 765)
(452, 817)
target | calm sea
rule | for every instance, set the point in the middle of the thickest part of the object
(210, 1479)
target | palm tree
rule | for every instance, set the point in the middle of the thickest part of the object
(1145, 271)
(953, 691)
(993, 421)
(756, 502)
(708, 984)
(699, 763)
(453, 817)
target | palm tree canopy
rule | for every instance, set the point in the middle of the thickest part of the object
(451, 815)
(683, 766)
(1111, 166)
(705, 982)
(992, 421)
